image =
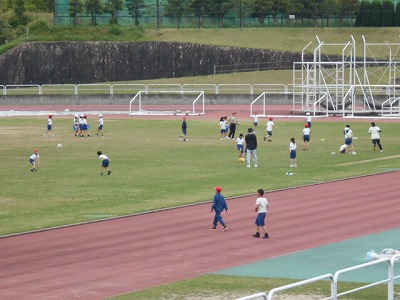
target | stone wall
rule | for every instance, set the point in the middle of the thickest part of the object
(92, 62)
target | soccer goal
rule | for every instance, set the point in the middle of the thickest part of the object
(167, 103)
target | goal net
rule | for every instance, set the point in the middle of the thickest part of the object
(167, 103)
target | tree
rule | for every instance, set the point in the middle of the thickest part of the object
(347, 8)
(387, 13)
(113, 7)
(220, 8)
(75, 8)
(329, 9)
(279, 8)
(200, 9)
(94, 8)
(176, 8)
(261, 10)
(363, 17)
(376, 13)
(135, 8)
(19, 17)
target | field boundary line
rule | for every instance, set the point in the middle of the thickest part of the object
(368, 160)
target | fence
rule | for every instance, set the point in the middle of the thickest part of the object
(334, 281)
(131, 88)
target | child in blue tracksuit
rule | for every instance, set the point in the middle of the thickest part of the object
(219, 205)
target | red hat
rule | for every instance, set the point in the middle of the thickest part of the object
(306, 125)
(50, 116)
(218, 188)
(270, 118)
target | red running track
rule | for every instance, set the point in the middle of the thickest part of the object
(102, 259)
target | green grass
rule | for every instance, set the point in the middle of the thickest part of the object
(232, 287)
(286, 39)
(152, 169)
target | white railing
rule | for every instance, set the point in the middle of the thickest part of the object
(334, 281)
(130, 88)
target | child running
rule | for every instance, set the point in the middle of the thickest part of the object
(34, 161)
(270, 124)
(49, 126)
(306, 136)
(105, 161)
(261, 210)
(219, 205)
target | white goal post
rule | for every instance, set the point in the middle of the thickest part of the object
(167, 103)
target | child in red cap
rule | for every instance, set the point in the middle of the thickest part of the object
(219, 205)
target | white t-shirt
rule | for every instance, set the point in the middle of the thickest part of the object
(255, 118)
(262, 204)
(306, 131)
(50, 122)
(240, 141)
(34, 157)
(348, 133)
(292, 146)
(101, 121)
(222, 125)
(374, 132)
(103, 157)
(269, 125)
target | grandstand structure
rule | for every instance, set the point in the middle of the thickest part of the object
(356, 84)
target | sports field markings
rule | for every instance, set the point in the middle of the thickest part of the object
(368, 160)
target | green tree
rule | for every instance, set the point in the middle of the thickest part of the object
(376, 13)
(200, 9)
(347, 8)
(113, 7)
(220, 8)
(387, 13)
(176, 8)
(279, 8)
(364, 14)
(94, 8)
(135, 8)
(397, 15)
(19, 16)
(328, 10)
(261, 9)
(76, 7)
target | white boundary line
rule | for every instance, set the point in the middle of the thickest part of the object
(368, 160)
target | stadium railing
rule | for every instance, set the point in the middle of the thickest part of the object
(130, 88)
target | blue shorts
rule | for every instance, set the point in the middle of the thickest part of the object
(309, 124)
(48, 127)
(240, 148)
(105, 163)
(292, 153)
(100, 127)
(306, 138)
(260, 220)
(81, 126)
(184, 131)
(255, 123)
(348, 141)
(32, 161)
(269, 133)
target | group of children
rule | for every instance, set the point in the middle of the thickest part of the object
(81, 126)
(219, 205)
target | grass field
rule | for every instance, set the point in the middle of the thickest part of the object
(152, 169)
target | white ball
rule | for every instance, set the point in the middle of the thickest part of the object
(59, 145)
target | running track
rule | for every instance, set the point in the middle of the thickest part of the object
(103, 259)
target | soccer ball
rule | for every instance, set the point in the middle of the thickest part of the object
(59, 145)
(241, 159)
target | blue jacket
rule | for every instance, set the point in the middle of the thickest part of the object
(219, 203)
